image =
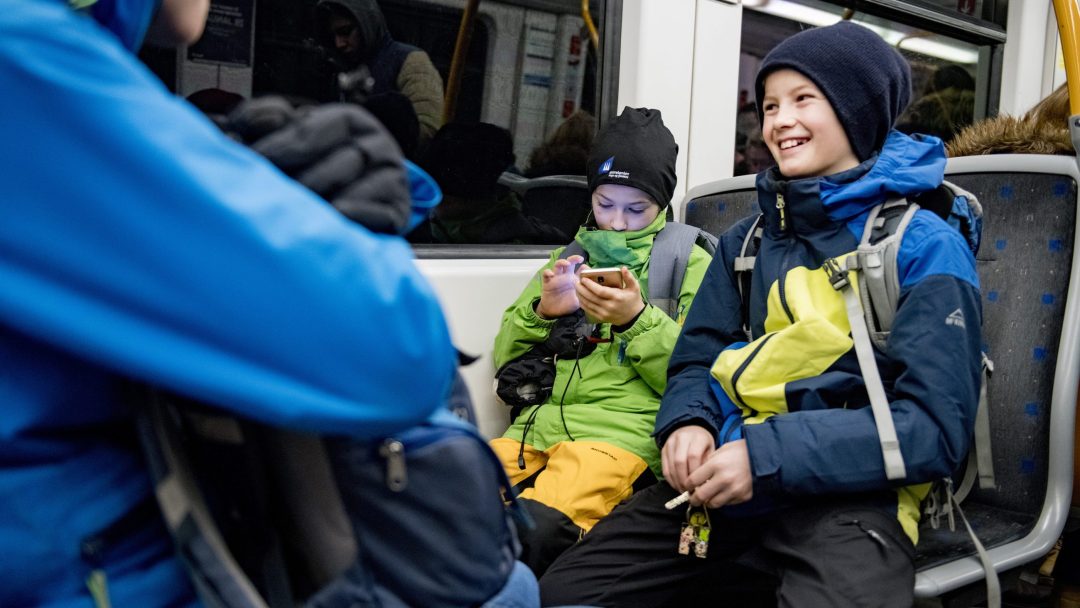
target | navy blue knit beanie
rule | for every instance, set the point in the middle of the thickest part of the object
(635, 149)
(867, 82)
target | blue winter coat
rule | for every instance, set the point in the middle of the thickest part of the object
(138, 242)
(810, 430)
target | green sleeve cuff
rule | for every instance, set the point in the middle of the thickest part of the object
(645, 321)
(533, 318)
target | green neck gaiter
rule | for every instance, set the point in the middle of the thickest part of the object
(612, 248)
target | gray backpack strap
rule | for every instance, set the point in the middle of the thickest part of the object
(574, 248)
(880, 278)
(670, 256)
(217, 577)
(744, 271)
(864, 351)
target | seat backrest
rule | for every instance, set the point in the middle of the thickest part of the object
(717, 206)
(1031, 328)
(562, 201)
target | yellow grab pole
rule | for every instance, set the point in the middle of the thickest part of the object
(593, 34)
(457, 64)
(1068, 22)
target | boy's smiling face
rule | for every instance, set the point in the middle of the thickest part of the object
(622, 208)
(801, 129)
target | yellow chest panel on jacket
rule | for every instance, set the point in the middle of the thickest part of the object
(802, 345)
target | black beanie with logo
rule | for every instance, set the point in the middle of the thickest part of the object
(867, 82)
(635, 149)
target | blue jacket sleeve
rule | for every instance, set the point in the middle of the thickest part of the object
(136, 236)
(931, 373)
(713, 323)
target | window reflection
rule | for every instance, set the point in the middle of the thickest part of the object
(943, 70)
(524, 105)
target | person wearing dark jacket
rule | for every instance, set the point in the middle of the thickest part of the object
(793, 498)
(356, 30)
(466, 160)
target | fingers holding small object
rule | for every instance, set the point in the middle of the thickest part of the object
(678, 500)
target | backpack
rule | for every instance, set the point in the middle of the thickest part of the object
(670, 255)
(870, 314)
(364, 537)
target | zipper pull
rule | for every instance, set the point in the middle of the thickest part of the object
(99, 588)
(780, 205)
(394, 453)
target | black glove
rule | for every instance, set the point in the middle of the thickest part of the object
(339, 151)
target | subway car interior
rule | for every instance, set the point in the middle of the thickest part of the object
(520, 88)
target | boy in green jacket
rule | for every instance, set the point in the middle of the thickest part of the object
(584, 448)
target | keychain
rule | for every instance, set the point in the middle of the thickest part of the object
(694, 534)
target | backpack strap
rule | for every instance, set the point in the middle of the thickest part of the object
(668, 260)
(744, 270)
(574, 248)
(218, 578)
(864, 351)
(880, 276)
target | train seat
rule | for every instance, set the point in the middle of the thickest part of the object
(562, 201)
(1031, 327)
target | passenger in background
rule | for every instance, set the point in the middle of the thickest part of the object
(466, 159)
(397, 114)
(768, 428)
(746, 131)
(585, 445)
(356, 30)
(947, 105)
(756, 155)
(565, 152)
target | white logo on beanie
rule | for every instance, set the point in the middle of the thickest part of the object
(606, 169)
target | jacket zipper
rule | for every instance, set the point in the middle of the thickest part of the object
(393, 451)
(782, 281)
(781, 207)
(742, 368)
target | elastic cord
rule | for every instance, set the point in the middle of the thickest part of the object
(524, 433)
(562, 399)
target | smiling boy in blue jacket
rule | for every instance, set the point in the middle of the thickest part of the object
(797, 494)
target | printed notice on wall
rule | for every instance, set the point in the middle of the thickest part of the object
(227, 38)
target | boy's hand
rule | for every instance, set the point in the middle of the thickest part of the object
(725, 478)
(557, 295)
(611, 304)
(684, 451)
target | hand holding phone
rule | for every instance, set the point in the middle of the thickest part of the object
(609, 295)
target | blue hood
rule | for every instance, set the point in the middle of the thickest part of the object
(906, 165)
(127, 19)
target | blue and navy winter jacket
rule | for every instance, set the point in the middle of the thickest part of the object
(136, 241)
(796, 391)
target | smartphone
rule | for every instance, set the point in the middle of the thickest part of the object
(608, 277)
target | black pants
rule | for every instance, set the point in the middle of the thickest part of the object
(829, 553)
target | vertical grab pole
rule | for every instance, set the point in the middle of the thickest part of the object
(457, 64)
(1068, 22)
(594, 36)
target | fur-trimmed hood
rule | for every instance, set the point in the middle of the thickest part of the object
(1012, 135)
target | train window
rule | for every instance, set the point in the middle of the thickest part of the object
(951, 68)
(522, 105)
